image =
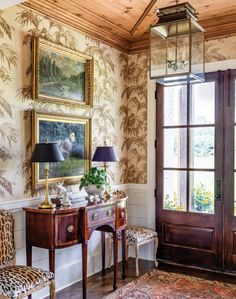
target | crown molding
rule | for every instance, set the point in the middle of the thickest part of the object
(120, 38)
(79, 24)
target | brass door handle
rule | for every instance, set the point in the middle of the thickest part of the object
(70, 228)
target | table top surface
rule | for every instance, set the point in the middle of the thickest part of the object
(75, 207)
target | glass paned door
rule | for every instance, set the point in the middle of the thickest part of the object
(229, 185)
(189, 127)
(189, 148)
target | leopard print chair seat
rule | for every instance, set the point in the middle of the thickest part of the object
(137, 236)
(18, 281)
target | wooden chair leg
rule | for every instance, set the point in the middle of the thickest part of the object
(126, 252)
(110, 251)
(155, 251)
(52, 289)
(136, 259)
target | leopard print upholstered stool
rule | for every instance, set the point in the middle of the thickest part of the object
(136, 236)
(18, 281)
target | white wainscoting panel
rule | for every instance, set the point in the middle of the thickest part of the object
(139, 214)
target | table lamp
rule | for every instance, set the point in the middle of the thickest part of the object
(105, 154)
(46, 152)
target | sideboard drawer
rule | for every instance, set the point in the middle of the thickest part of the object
(103, 215)
(67, 230)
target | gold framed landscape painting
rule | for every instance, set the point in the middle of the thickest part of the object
(73, 135)
(61, 75)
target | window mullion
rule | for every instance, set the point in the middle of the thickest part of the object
(188, 148)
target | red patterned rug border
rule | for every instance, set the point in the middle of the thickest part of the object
(154, 274)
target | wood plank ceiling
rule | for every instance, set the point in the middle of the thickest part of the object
(124, 24)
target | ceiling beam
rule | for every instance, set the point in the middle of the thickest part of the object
(142, 17)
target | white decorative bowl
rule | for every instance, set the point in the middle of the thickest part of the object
(93, 190)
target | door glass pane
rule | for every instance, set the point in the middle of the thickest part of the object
(174, 190)
(175, 105)
(203, 103)
(175, 141)
(202, 149)
(202, 192)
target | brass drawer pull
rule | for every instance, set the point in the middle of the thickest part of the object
(95, 216)
(110, 212)
(70, 228)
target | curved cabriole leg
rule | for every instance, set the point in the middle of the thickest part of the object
(155, 251)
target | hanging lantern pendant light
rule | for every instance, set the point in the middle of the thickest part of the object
(177, 46)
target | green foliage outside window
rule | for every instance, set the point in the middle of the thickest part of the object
(202, 199)
(172, 203)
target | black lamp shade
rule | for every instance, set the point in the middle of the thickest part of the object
(105, 154)
(46, 152)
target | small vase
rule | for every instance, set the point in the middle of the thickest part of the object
(93, 190)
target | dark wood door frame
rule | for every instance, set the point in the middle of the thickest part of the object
(229, 171)
(185, 237)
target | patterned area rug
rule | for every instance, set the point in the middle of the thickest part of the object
(158, 284)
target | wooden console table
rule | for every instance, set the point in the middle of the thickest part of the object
(67, 226)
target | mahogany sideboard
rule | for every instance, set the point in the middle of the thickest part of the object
(67, 226)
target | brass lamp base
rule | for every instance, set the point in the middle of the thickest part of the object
(46, 205)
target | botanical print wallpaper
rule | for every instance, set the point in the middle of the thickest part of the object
(134, 109)
(134, 118)
(8, 132)
(17, 26)
(220, 49)
(119, 114)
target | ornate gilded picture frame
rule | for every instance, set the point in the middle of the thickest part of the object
(73, 134)
(61, 75)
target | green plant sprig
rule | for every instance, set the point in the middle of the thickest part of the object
(95, 176)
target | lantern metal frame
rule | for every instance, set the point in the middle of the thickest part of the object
(176, 22)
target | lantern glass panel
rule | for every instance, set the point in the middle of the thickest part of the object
(173, 60)
(197, 55)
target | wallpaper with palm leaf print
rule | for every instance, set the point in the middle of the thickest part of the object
(133, 113)
(17, 26)
(119, 115)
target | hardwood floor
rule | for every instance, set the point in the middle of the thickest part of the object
(99, 286)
